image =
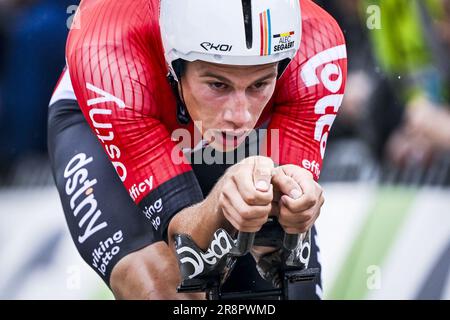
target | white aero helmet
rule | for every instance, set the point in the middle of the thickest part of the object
(232, 32)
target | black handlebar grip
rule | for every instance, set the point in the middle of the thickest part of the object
(290, 241)
(244, 242)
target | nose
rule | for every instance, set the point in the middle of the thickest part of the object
(237, 112)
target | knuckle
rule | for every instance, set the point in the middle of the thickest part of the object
(227, 186)
(291, 181)
(277, 171)
(250, 198)
(264, 160)
(229, 174)
(289, 207)
(222, 199)
(245, 213)
(239, 221)
(291, 167)
(310, 200)
(319, 189)
(261, 220)
(306, 173)
(234, 177)
(264, 211)
(266, 198)
(309, 215)
(282, 220)
(287, 220)
(283, 182)
(318, 186)
(302, 228)
(284, 225)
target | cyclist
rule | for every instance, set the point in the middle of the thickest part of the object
(140, 71)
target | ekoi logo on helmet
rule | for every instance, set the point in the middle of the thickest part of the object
(208, 46)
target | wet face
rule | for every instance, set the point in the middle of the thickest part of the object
(227, 100)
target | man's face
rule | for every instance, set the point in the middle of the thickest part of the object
(227, 100)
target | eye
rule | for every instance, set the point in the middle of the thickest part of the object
(259, 85)
(218, 85)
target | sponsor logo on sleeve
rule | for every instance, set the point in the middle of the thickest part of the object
(105, 252)
(143, 187)
(312, 166)
(104, 129)
(331, 77)
(82, 202)
(152, 213)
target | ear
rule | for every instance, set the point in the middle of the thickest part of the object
(180, 88)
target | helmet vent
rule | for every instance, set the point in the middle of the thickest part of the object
(247, 9)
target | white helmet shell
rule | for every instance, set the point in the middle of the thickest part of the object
(232, 32)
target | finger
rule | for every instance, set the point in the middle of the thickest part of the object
(303, 177)
(246, 211)
(312, 193)
(262, 173)
(295, 226)
(242, 225)
(296, 172)
(287, 217)
(244, 180)
(249, 193)
(300, 223)
(286, 184)
(311, 189)
(305, 202)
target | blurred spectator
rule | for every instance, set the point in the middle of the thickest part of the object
(427, 117)
(413, 50)
(398, 91)
(32, 59)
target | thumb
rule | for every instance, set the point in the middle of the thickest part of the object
(262, 173)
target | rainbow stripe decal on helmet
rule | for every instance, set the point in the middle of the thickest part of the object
(266, 33)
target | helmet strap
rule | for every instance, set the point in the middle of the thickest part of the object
(182, 112)
(282, 65)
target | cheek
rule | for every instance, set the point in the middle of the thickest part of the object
(261, 101)
(204, 106)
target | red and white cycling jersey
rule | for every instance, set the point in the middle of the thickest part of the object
(117, 71)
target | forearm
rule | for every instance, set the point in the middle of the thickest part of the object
(199, 221)
(150, 273)
(235, 203)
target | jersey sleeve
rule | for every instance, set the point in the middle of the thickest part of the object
(309, 93)
(117, 69)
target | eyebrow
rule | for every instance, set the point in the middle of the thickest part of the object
(226, 80)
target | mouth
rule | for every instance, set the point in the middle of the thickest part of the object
(231, 138)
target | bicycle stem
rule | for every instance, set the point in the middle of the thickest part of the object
(244, 243)
(290, 241)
